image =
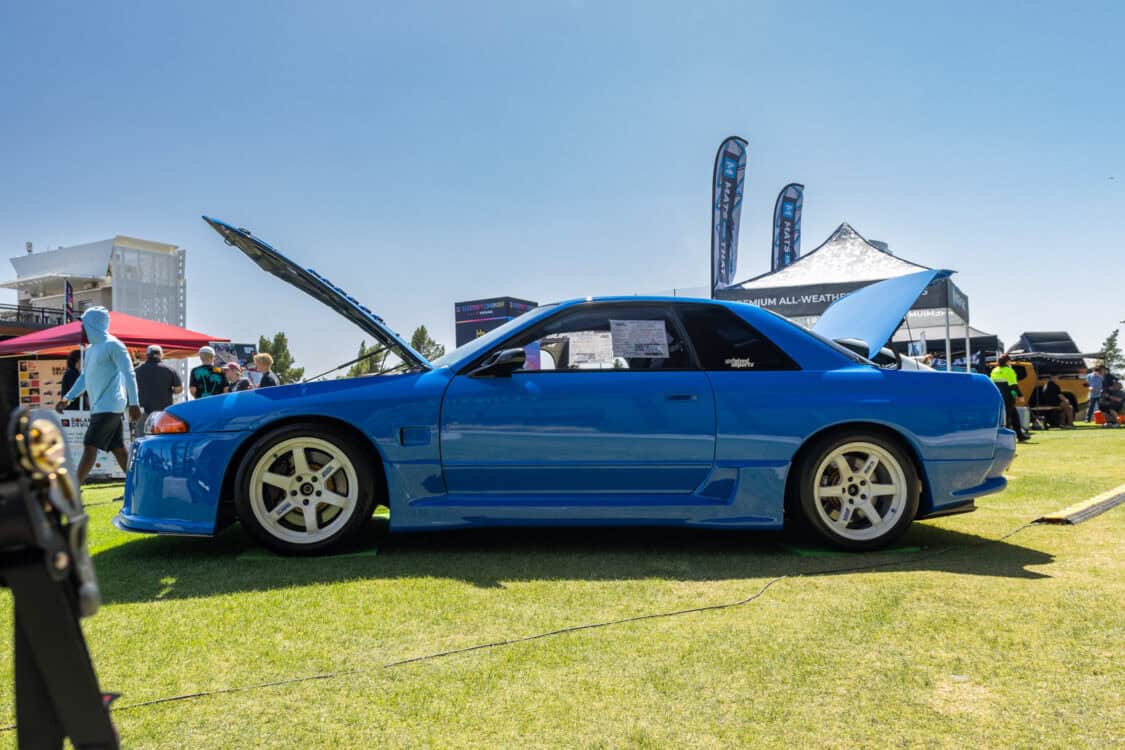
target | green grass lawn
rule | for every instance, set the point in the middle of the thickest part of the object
(958, 643)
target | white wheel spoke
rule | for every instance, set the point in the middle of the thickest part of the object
(300, 461)
(283, 509)
(870, 465)
(835, 490)
(328, 470)
(872, 514)
(334, 498)
(311, 523)
(844, 468)
(878, 490)
(277, 480)
(845, 515)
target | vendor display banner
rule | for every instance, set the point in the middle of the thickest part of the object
(787, 226)
(69, 297)
(243, 354)
(74, 424)
(39, 381)
(726, 210)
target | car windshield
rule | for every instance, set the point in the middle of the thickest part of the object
(485, 342)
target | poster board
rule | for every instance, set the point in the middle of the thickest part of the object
(243, 354)
(39, 381)
(74, 424)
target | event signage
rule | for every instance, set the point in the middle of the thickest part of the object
(477, 317)
(39, 381)
(809, 300)
(74, 424)
(241, 354)
(726, 210)
(787, 226)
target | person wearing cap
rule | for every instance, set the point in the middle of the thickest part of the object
(157, 384)
(206, 379)
(109, 379)
(235, 380)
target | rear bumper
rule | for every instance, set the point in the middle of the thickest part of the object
(954, 484)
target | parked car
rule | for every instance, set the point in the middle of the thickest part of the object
(614, 411)
(1030, 372)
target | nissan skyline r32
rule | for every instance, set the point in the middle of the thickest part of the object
(618, 411)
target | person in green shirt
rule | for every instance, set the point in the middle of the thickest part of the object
(1005, 380)
(206, 379)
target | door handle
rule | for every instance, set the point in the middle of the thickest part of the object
(682, 397)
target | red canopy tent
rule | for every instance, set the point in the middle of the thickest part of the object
(136, 333)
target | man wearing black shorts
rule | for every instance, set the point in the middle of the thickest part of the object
(108, 378)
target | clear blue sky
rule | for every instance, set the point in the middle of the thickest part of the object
(423, 153)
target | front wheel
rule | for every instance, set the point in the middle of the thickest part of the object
(858, 489)
(303, 490)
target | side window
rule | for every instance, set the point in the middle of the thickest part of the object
(1021, 371)
(606, 337)
(724, 341)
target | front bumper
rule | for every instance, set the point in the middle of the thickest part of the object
(174, 484)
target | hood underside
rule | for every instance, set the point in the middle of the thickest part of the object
(873, 313)
(320, 289)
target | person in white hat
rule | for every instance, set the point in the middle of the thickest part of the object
(157, 384)
(207, 379)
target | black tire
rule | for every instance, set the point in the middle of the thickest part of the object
(866, 535)
(315, 443)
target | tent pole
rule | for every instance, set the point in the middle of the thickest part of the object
(948, 347)
(968, 345)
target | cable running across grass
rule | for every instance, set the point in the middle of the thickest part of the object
(551, 633)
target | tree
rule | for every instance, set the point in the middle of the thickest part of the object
(369, 364)
(1112, 357)
(282, 357)
(424, 345)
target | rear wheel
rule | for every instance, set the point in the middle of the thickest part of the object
(305, 490)
(858, 489)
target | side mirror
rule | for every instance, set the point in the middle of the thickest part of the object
(501, 364)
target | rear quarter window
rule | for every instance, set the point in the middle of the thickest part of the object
(724, 341)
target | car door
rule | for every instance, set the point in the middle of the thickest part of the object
(761, 394)
(610, 407)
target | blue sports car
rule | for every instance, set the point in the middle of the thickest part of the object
(627, 411)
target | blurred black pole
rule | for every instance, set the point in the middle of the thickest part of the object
(45, 562)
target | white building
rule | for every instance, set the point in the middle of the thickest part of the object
(127, 274)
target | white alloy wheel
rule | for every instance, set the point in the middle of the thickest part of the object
(860, 491)
(303, 490)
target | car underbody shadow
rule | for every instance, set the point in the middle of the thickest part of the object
(160, 568)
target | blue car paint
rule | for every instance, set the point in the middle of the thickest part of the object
(873, 313)
(594, 461)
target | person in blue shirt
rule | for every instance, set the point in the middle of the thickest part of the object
(107, 377)
(1095, 381)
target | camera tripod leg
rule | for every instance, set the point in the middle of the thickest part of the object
(57, 690)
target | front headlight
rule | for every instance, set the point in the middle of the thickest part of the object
(163, 423)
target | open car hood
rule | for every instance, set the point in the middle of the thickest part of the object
(320, 289)
(873, 313)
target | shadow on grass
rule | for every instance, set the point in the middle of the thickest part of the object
(157, 568)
